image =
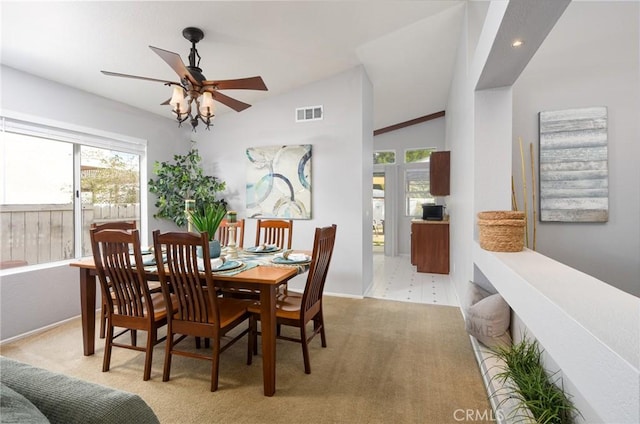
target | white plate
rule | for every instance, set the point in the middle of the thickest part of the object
(283, 261)
(266, 250)
(228, 266)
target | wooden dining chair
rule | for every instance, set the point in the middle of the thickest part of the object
(297, 310)
(111, 225)
(223, 233)
(130, 304)
(200, 312)
(114, 225)
(274, 231)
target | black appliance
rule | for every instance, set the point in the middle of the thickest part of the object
(432, 212)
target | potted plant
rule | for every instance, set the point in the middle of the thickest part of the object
(183, 180)
(539, 396)
(208, 220)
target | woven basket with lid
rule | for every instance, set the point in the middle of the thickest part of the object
(501, 231)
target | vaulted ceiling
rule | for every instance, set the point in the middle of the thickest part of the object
(408, 48)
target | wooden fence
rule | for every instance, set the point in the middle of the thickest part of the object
(35, 234)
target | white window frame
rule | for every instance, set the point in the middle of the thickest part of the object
(409, 167)
(78, 135)
(412, 166)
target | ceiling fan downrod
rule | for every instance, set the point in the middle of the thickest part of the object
(194, 35)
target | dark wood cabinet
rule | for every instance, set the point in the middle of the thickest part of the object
(430, 246)
(439, 171)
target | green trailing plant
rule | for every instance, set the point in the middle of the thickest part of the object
(184, 179)
(208, 219)
(524, 378)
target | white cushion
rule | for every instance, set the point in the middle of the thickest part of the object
(488, 318)
(476, 293)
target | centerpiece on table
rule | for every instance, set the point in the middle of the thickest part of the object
(208, 220)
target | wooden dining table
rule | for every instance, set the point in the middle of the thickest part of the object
(263, 278)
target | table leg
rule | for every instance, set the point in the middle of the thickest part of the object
(268, 329)
(88, 310)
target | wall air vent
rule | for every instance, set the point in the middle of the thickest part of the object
(309, 113)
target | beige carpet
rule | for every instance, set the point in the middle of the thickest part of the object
(386, 362)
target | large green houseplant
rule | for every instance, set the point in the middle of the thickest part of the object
(182, 180)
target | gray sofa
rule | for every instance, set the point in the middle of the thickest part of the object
(34, 395)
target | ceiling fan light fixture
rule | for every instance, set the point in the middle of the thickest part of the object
(206, 105)
(194, 87)
(179, 105)
(177, 98)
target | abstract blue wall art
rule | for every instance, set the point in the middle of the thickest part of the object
(279, 182)
(574, 176)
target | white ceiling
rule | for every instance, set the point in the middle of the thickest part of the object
(408, 48)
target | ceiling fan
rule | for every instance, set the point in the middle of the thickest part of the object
(193, 87)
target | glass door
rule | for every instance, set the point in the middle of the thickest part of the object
(378, 211)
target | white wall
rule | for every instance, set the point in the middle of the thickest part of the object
(341, 167)
(429, 134)
(39, 297)
(579, 67)
(492, 173)
(366, 219)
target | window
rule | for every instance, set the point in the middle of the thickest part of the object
(110, 188)
(54, 183)
(384, 157)
(416, 179)
(417, 190)
(417, 155)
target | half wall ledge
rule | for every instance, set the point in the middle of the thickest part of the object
(590, 329)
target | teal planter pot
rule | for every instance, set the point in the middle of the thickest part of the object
(214, 249)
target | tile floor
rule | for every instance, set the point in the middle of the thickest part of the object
(396, 279)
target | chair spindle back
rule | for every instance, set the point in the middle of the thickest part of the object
(123, 285)
(275, 231)
(323, 243)
(181, 275)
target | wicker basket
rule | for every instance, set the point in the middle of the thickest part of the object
(501, 231)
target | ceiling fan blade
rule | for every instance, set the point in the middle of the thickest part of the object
(252, 83)
(166, 102)
(176, 63)
(116, 74)
(234, 104)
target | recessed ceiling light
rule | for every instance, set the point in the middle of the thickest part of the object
(517, 43)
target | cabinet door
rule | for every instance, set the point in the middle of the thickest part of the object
(437, 261)
(431, 248)
(439, 170)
